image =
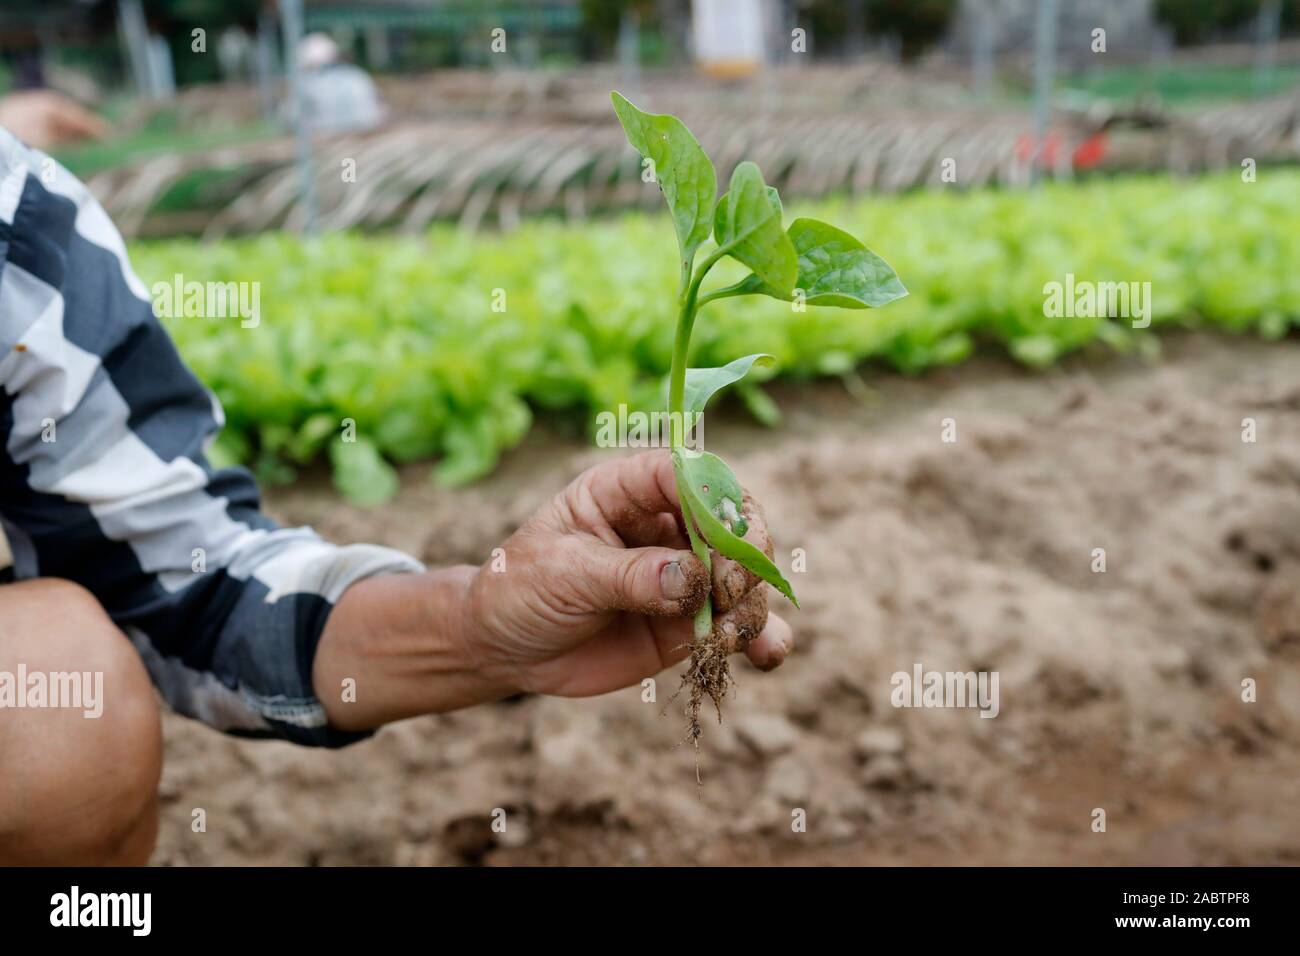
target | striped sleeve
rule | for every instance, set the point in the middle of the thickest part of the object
(104, 481)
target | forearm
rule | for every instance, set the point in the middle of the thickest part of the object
(405, 642)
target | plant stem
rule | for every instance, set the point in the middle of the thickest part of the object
(689, 306)
(724, 293)
(682, 345)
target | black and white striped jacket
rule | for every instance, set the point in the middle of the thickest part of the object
(103, 479)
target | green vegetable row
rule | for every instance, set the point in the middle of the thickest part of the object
(445, 346)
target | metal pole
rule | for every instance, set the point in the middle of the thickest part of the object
(982, 48)
(856, 48)
(134, 32)
(629, 47)
(1270, 24)
(266, 63)
(291, 25)
(1044, 71)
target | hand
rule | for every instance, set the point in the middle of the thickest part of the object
(598, 589)
(45, 118)
(597, 592)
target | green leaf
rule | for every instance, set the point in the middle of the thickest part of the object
(747, 224)
(774, 198)
(360, 473)
(722, 540)
(713, 482)
(682, 168)
(310, 436)
(230, 448)
(760, 404)
(835, 269)
(471, 452)
(720, 213)
(1036, 350)
(271, 470)
(703, 383)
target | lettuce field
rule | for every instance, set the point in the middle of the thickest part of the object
(444, 347)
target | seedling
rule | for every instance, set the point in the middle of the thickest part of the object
(811, 262)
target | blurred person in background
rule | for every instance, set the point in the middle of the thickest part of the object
(337, 97)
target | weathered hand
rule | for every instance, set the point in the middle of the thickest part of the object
(597, 590)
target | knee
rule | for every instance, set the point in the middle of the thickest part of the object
(82, 790)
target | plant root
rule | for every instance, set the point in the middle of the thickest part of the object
(739, 615)
(708, 674)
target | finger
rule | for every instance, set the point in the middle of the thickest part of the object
(630, 650)
(772, 646)
(774, 642)
(630, 496)
(634, 648)
(658, 581)
(744, 622)
(673, 637)
(732, 580)
(669, 534)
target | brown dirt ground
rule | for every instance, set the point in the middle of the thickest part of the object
(1118, 690)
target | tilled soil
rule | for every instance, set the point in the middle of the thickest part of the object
(1118, 690)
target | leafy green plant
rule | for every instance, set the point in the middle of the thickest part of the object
(397, 333)
(811, 262)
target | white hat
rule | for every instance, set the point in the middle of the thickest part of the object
(317, 50)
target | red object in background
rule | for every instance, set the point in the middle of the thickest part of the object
(1091, 151)
(1088, 153)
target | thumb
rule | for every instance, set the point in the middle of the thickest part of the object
(658, 581)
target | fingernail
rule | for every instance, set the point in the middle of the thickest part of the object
(672, 580)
